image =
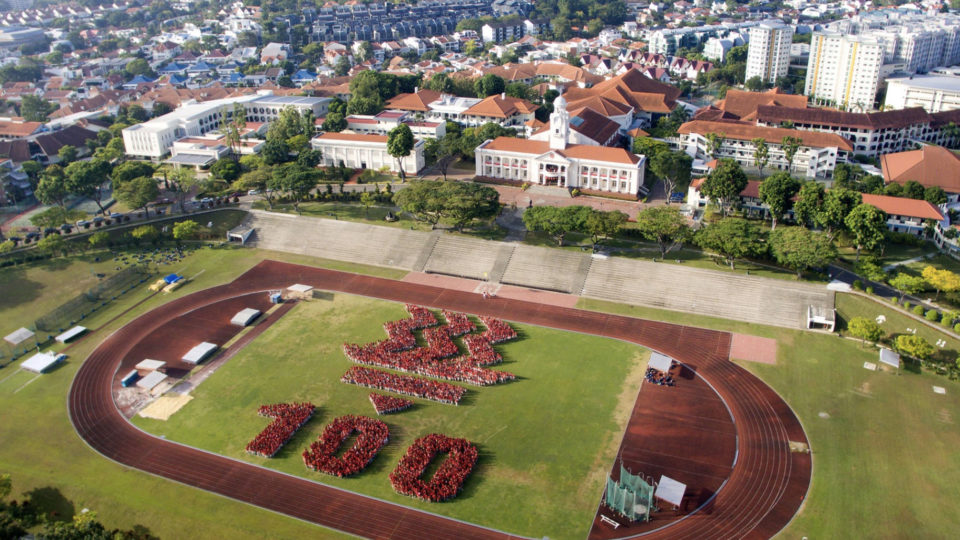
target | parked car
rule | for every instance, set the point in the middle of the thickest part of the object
(206, 200)
(115, 215)
(83, 224)
(50, 230)
(67, 228)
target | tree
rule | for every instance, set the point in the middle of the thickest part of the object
(906, 284)
(185, 230)
(53, 245)
(868, 225)
(275, 152)
(914, 346)
(399, 144)
(334, 122)
(664, 225)
(754, 84)
(935, 195)
(294, 180)
(88, 178)
(489, 85)
(128, 170)
(257, 180)
(777, 192)
(367, 199)
(556, 222)
(837, 205)
(913, 190)
(99, 239)
(732, 238)
(809, 203)
(465, 202)
(941, 280)
(53, 187)
(181, 182)
(761, 153)
(138, 193)
(35, 109)
(673, 169)
(145, 233)
(443, 151)
(790, 146)
(601, 225)
(67, 154)
(139, 66)
(423, 199)
(725, 183)
(56, 216)
(309, 158)
(865, 329)
(714, 142)
(225, 169)
(801, 249)
(649, 147)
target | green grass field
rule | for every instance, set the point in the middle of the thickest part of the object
(885, 463)
(545, 444)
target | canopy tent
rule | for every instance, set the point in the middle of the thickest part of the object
(172, 278)
(18, 337)
(670, 490)
(150, 365)
(300, 288)
(42, 362)
(245, 317)
(151, 380)
(660, 362)
(70, 334)
(889, 358)
(199, 353)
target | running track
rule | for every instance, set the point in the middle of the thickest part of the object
(764, 491)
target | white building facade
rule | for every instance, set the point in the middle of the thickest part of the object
(844, 70)
(768, 56)
(932, 92)
(365, 152)
(555, 162)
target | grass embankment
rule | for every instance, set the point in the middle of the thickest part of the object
(50, 463)
(885, 459)
(545, 443)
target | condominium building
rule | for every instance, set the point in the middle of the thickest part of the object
(934, 93)
(769, 53)
(844, 70)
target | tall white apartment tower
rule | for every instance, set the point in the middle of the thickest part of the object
(844, 70)
(769, 54)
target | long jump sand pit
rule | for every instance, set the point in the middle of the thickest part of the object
(753, 349)
(164, 406)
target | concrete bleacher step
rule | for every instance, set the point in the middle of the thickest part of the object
(581, 276)
(544, 268)
(504, 255)
(427, 250)
(463, 257)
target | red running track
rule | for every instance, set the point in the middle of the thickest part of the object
(764, 490)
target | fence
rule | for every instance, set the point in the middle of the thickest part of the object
(85, 304)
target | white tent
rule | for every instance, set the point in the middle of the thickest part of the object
(18, 337)
(670, 490)
(150, 365)
(151, 380)
(199, 353)
(42, 362)
(889, 358)
(299, 288)
(660, 362)
(245, 317)
(70, 334)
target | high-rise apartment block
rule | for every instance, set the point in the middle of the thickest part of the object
(844, 70)
(769, 54)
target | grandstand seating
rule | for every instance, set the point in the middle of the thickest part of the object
(695, 290)
(545, 268)
(463, 256)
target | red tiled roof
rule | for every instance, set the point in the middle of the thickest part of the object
(352, 137)
(901, 206)
(578, 151)
(748, 132)
(931, 166)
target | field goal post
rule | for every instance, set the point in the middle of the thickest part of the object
(631, 497)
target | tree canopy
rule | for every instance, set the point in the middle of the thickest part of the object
(732, 238)
(725, 183)
(777, 192)
(868, 225)
(664, 225)
(801, 249)
(556, 221)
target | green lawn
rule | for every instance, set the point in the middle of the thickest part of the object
(49, 462)
(885, 459)
(545, 444)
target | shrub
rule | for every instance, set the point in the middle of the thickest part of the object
(857, 285)
(893, 300)
(907, 305)
(575, 192)
(869, 289)
(932, 315)
(918, 310)
(947, 320)
(956, 328)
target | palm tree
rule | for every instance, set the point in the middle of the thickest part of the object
(790, 146)
(761, 153)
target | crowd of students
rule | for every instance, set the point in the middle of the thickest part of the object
(288, 418)
(659, 378)
(389, 404)
(321, 456)
(441, 392)
(400, 353)
(450, 476)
